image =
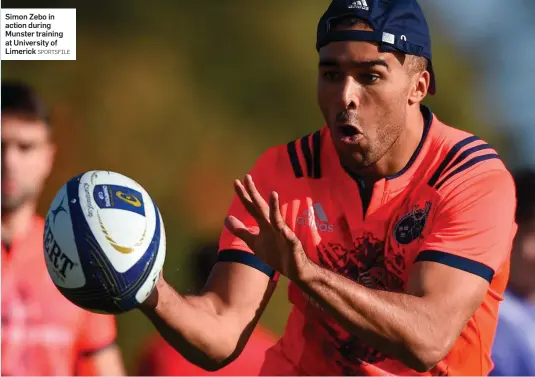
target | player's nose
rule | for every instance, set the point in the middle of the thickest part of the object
(349, 94)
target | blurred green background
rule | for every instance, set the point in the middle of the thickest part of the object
(183, 96)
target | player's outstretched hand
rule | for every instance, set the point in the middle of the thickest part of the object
(275, 243)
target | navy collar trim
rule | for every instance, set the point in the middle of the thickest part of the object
(428, 120)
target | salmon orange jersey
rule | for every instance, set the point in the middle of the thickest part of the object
(160, 359)
(453, 204)
(43, 334)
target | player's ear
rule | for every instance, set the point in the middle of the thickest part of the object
(419, 86)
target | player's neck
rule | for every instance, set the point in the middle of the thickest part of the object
(401, 151)
(16, 223)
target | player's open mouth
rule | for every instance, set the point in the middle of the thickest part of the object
(349, 134)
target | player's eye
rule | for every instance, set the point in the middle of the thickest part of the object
(368, 78)
(26, 147)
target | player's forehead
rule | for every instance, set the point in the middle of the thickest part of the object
(19, 129)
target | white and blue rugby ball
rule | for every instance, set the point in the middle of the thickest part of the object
(104, 242)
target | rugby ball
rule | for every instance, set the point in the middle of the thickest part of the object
(104, 242)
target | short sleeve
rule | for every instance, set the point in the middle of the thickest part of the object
(232, 248)
(98, 331)
(474, 226)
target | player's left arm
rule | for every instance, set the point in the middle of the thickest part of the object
(99, 355)
(469, 241)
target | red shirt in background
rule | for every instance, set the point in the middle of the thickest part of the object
(42, 332)
(160, 359)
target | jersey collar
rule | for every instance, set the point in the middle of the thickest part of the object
(428, 120)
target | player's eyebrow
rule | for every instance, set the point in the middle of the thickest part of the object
(327, 62)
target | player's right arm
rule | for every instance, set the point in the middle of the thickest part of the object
(211, 329)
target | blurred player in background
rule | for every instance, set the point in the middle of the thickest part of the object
(394, 228)
(514, 346)
(42, 332)
(160, 359)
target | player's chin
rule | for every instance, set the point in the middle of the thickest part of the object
(356, 151)
(354, 159)
(12, 192)
(11, 202)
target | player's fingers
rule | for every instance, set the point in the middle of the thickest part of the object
(237, 228)
(275, 216)
(257, 199)
(245, 199)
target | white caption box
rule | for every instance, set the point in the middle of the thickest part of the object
(38, 34)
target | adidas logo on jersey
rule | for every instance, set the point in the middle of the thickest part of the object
(359, 4)
(315, 218)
